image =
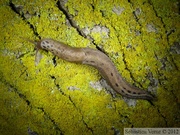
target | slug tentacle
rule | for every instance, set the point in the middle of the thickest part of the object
(37, 47)
(98, 60)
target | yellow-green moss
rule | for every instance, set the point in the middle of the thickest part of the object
(39, 98)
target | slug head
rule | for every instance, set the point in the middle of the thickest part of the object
(38, 45)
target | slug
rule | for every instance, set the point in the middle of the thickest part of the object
(96, 59)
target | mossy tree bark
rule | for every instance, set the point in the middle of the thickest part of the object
(58, 97)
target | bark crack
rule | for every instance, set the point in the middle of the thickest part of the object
(13, 88)
(24, 98)
(56, 127)
(70, 99)
(62, 8)
(130, 73)
(89, 128)
(17, 9)
(167, 33)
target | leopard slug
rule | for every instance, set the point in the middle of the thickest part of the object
(98, 60)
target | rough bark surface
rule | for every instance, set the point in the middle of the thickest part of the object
(58, 97)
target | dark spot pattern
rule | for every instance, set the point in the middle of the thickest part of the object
(90, 62)
(47, 42)
(105, 67)
(43, 46)
(43, 43)
(129, 91)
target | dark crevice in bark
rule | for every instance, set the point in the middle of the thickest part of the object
(17, 10)
(55, 126)
(61, 7)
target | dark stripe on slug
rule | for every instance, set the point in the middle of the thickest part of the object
(92, 61)
(111, 74)
(117, 85)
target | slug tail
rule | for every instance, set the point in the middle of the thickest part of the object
(144, 96)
